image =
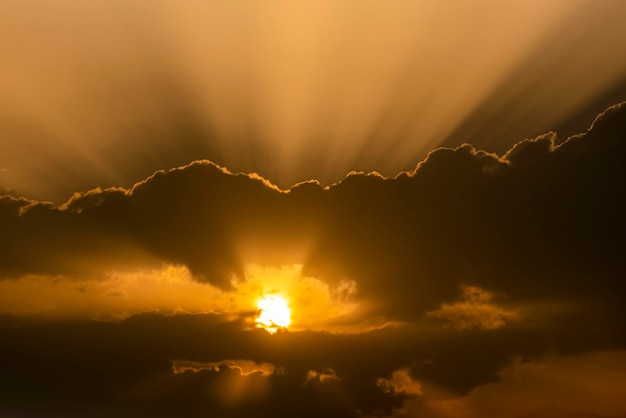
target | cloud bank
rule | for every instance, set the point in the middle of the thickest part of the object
(475, 259)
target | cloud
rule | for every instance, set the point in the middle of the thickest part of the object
(475, 310)
(324, 376)
(541, 222)
(119, 295)
(245, 367)
(173, 290)
(399, 383)
(590, 383)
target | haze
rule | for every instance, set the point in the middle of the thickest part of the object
(106, 92)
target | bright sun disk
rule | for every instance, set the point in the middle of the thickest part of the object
(273, 314)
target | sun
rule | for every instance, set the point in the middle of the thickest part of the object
(273, 314)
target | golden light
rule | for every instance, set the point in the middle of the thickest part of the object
(290, 90)
(274, 314)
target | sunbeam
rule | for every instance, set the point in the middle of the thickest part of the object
(108, 92)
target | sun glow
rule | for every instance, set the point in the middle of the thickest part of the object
(273, 314)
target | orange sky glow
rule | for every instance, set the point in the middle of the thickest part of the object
(345, 209)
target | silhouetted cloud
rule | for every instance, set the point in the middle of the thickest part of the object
(587, 385)
(475, 310)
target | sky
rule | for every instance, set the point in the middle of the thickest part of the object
(317, 208)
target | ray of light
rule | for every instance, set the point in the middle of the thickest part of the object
(104, 93)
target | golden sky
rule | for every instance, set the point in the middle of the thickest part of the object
(104, 93)
(188, 226)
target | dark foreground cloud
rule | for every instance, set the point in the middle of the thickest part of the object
(141, 367)
(205, 366)
(485, 259)
(544, 220)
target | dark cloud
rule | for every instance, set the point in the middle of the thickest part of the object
(153, 365)
(90, 368)
(545, 220)
(537, 236)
